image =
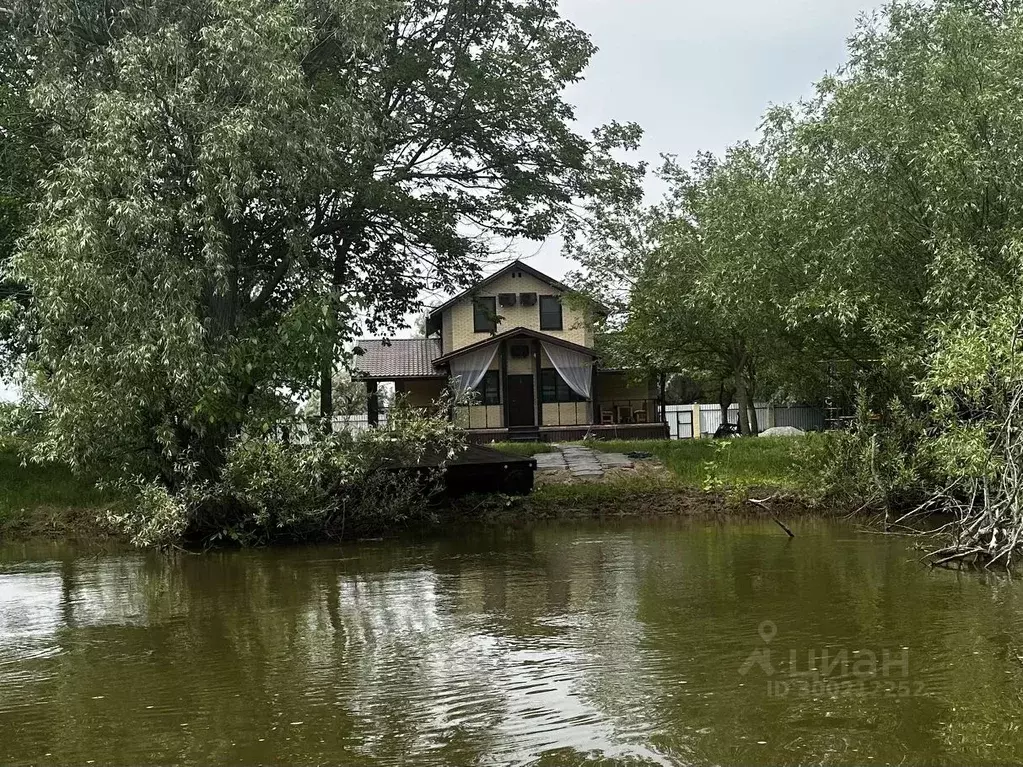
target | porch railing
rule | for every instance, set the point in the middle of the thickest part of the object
(478, 416)
(620, 412)
(566, 413)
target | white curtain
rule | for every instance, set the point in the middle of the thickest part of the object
(468, 370)
(575, 367)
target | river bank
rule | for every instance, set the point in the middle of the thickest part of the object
(696, 478)
(47, 501)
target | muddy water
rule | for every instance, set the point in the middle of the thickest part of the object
(642, 643)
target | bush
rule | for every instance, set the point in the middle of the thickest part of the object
(335, 486)
(153, 518)
(878, 463)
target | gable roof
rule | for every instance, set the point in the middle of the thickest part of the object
(514, 266)
(515, 332)
(397, 358)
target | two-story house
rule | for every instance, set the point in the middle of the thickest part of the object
(521, 363)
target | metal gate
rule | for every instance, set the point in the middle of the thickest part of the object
(683, 424)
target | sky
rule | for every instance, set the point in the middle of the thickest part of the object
(697, 75)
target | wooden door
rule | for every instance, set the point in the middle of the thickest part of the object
(521, 401)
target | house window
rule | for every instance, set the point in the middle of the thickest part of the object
(550, 313)
(484, 314)
(489, 388)
(554, 389)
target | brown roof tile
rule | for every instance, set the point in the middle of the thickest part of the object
(397, 358)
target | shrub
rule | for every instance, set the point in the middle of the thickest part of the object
(334, 486)
(153, 518)
(878, 463)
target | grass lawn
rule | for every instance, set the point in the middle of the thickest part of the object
(45, 500)
(733, 463)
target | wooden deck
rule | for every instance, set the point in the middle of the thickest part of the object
(482, 470)
(632, 431)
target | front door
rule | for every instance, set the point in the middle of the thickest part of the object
(521, 402)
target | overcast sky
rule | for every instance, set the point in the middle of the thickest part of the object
(697, 75)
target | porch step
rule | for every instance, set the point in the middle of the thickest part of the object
(524, 434)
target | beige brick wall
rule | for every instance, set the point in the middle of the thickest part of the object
(445, 335)
(421, 392)
(521, 367)
(458, 324)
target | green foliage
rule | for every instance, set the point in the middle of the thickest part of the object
(348, 398)
(234, 187)
(153, 517)
(870, 238)
(334, 486)
(46, 499)
(882, 465)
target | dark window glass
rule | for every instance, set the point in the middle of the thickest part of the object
(554, 389)
(484, 314)
(550, 313)
(489, 388)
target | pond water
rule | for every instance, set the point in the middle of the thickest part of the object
(647, 643)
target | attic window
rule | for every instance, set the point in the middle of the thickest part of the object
(484, 314)
(550, 313)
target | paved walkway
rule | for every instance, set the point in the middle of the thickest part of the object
(583, 462)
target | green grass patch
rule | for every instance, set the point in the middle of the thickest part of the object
(721, 464)
(522, 448)
(45, 499)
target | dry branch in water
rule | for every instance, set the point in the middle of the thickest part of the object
(988, 526)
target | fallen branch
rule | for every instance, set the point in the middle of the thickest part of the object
(763, 504)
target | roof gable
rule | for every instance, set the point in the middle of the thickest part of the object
(540, 336)
(513, 266)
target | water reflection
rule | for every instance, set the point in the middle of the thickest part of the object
(555, 645)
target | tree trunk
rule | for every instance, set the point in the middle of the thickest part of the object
(742, 395)
(751, 393)
(725, 400)
(327, 389)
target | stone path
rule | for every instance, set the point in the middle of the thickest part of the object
(582, 462)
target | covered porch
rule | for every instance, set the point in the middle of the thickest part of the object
(528, 386)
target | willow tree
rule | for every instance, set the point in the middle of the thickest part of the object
(24, 154)
(697, 277)
(238, 183)
(911, 168)
(472, 147)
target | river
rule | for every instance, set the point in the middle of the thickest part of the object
(645, 643)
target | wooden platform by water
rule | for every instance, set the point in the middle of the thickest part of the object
(479, 469)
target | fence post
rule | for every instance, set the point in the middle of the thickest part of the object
(697, 425)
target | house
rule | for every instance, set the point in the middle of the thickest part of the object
(522, 364)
